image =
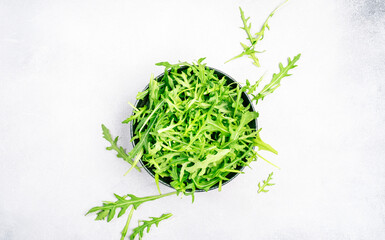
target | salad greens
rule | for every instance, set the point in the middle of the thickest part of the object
(125, 229)
(275, 80)
(121, 152)
(108, 209)
(261, 188)
(139, 230)
(194, 129)
(249, 50)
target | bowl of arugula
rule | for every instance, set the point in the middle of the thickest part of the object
(193, 128)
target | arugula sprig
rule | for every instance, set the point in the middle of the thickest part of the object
(249, 49)
(196, 130)
(108, 209)
(261, 188)
(125, 229)
(274, 83)
(143, 224)
(121, 152)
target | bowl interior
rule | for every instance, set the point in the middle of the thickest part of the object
(246, 101)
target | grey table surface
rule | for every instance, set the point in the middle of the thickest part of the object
(68, 66)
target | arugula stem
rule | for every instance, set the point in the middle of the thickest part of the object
(265, 25)
(244, 21)
(265, 184)
(148, 118)
(147, 199)
(137, 158)
(250, 50)
(126, 158)
(114, 146)
(266, 160)
(132, 106)
(238, 56)
(146, 224)
(124, 231)
(157, 182)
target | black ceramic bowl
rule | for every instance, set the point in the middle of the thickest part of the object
(246, 102)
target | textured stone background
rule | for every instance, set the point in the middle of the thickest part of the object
(68, 66)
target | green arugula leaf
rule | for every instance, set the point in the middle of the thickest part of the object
(261, 188)
(125, 229)
(121, 153)
(245, 119)
(168, 65)
(199, 167)
(142, 95)
(137, 115)
(108, 208)
(249, 50)
(250, 89)
(261, 34)
(262, 145)
(276, 79)
(143, 224)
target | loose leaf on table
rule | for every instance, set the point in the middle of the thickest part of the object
(121, 152)
(108, 208)
(143, 224)
(125, 229)
(261, 34)
(249, 50)
(276, 79)
(261, 188)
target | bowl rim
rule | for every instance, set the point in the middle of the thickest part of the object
(216, 186)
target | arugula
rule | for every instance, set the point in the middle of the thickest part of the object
(261, 188)
(194, 130)
(201, 166)
(125, 229)
(108, 208)
(275, 81)
(121, 152)
(143, 224)
(249, 49)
